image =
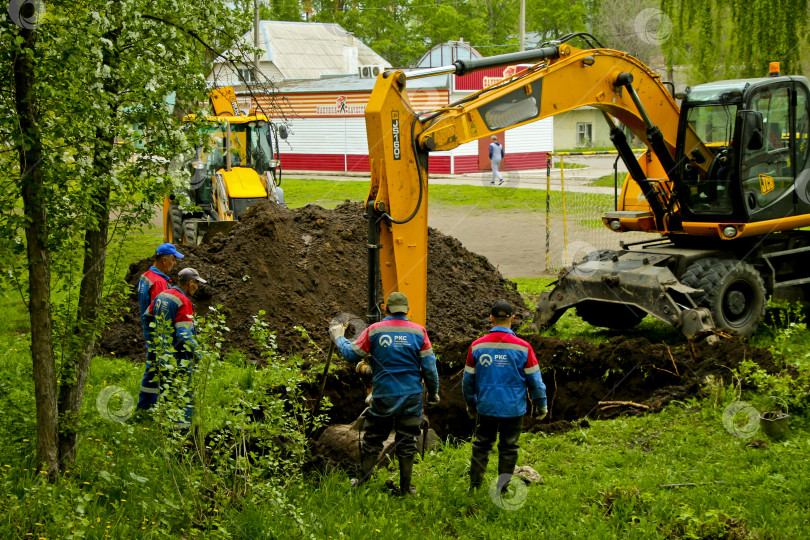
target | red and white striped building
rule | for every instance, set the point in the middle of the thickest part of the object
(328, 132)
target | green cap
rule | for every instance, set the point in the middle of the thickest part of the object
(397, 303)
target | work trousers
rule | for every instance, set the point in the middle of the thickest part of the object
(496, 165)
(506, 431)
(377, 429)
(150, 384)
(158, 378)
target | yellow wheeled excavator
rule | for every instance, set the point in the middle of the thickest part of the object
(239, 167)
(723, 186)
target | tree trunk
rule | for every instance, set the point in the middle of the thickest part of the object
(75, 366)
(76, 363)
(39, 266)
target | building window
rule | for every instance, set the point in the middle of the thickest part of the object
(584, 134)
(246, 75)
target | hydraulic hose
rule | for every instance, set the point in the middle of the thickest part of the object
(387, 216)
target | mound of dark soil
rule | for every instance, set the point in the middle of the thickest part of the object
(303, 267)
(587, 380)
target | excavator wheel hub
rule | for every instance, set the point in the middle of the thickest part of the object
(736, 302)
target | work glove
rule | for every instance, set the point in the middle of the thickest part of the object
(336, 331)
(433, 400)
(541, 413)
(472, 411)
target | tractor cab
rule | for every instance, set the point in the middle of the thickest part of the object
(224, 177)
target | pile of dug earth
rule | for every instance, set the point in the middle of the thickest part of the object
(303, 267)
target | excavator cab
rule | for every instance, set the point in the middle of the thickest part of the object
(753, 161)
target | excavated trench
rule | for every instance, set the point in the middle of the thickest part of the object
(303, 267)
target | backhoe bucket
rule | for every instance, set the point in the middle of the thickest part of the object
(203, 232)
(622, 279)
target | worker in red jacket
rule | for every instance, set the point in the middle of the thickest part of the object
(500, 368)
(175, 337)
(151, 283)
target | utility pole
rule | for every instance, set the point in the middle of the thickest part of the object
(522, 25)
(256, 34)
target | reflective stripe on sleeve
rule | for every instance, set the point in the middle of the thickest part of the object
(148, 390)
(426, 352)
(509, 346)
(533, 369)
(358, 351)
(184, 324)
(470, 369)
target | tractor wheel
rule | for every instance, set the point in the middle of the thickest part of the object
(190, 234)
(733, 291)
(609, 315)
(176, 222)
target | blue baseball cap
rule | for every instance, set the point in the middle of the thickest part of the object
(168, 249)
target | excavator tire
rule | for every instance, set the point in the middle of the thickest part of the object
(609, 315)
(733, 291)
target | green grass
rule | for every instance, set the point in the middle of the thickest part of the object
(596, 149)
(137, 246)
(601, 482)
(330, 193)
(567, 164)
(608, 180)
(325, 193)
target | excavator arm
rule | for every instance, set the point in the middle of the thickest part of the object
(561, 78)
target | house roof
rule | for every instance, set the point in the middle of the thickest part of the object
(308, 50)
(349, 84)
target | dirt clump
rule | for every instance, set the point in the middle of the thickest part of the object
(305, 266)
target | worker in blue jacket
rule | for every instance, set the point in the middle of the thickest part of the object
(175, 332)
(400, 354)
(500, 368)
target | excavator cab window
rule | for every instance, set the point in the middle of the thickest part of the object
(801, 149)
(250, 145)
(238, 144)
(707, 178)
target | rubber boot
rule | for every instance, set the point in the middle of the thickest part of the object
(367, 463)
(478, 466)
(405, 474)
(506, 468)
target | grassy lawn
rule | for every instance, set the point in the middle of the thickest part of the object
(330, 193)
(605, 481)
(608, 180)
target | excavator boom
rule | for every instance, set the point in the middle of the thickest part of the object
(562, 78)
